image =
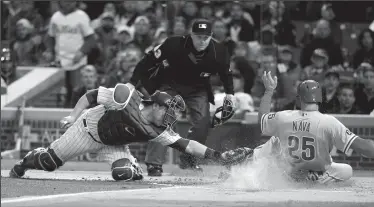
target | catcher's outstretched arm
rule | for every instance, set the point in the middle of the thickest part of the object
(227, 158)
(195, 148)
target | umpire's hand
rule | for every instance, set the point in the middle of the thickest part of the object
(67, 122)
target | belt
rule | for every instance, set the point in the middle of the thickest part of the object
(88, 132)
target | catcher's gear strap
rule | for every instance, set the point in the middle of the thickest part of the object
(46, 160)
(91, 96)
(180, 145)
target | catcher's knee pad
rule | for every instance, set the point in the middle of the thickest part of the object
(124, 169)
(43, 159)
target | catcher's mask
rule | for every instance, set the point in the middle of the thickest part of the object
(174, 105)
(226, 111)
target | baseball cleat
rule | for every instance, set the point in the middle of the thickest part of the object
(17, 171)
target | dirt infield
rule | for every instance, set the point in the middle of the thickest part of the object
(89, 184)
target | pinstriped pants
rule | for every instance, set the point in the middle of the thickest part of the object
(76, 141)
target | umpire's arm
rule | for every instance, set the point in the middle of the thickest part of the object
(224, 70)
(143, 70)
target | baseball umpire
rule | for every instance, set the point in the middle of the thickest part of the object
(114, 123)
(183, 65)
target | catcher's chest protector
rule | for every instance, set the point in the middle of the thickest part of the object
(119, 127)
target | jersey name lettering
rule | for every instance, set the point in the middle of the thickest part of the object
(301, 126)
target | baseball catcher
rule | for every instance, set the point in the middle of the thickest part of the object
(117, 121)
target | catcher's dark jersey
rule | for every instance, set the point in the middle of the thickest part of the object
(115, 123)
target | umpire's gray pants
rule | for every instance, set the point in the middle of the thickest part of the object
(198, 116)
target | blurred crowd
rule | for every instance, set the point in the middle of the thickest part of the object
(260, 36)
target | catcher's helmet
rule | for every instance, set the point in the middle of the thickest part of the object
(226, 110)
(309, 91)
(174, 104)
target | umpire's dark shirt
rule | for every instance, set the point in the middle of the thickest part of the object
(177, 63)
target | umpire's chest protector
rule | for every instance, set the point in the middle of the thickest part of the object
(119, 127)
(182, 66)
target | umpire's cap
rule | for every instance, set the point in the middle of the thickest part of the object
(202, 27)
(309, 91)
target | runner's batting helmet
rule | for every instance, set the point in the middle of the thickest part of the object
(309, 91)
(226, 110)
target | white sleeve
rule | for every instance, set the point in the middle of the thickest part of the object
(52, 28)
(371, 27)
(85, 25)
(167, 137)
(269, 124)
(106, 97)
(341, 136)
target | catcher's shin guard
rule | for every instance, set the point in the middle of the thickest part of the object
(124, 169)
(40, 158)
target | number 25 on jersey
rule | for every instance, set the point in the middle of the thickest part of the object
(305, 145)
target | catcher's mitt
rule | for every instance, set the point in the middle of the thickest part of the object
(236, 156)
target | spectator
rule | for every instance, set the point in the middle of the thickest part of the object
(268, 63)
(89, 79)
(124, 36)
(121, 69)
(330, 91)
(159, 37)
(179, 27)
(23, 10)
(322, 39)
(359, 73)
(8, 66)
(26, 48)
(240, 28)
(220, 35)
(365, 93)
(327, 13)
(206, 10)
(106, 36)
(244, 101)
(319, 65)
(242, 65)
(284, 29)
(254, 8)
(288, 73)
(366, 51)
(109, 8)
(189, 11)
(70, 38)
(127, 14)
(241, 50)
(347, 60)
(346, 98)
(371, 26)
(142, 38)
